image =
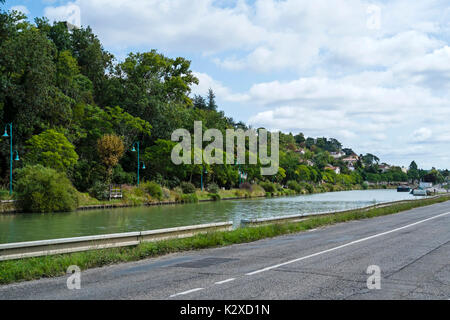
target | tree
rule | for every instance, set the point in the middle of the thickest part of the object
(26, 60)
(211, 100)
(413, 173)
(51, 149)
(199, 102)
(110, 148)
(299, 138)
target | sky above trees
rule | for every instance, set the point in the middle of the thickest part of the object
(373, 74)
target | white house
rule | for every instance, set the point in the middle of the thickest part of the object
(337, 155)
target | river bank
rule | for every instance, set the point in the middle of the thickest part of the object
(135, 196)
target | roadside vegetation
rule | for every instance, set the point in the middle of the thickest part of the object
(56, 265)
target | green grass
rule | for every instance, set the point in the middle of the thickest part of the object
(51, 266)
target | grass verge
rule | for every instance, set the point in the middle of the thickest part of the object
(52, 266)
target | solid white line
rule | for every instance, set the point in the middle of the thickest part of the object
(186, 292)
(346, 245)
(225, 281)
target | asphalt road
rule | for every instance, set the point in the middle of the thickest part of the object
(411, 248)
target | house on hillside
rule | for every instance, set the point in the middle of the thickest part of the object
(384, 167)
(336, 170)
(300, 151)
(307, 162)
(351, 159)
(337, 155)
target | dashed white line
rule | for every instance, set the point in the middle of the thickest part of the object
(186, 292)
(225, 281)
(345, 245)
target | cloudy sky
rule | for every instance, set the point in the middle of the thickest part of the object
(373, 74)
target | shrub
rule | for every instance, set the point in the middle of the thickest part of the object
(4, 194)
(213, 187)
(214, 196)
(41, 189)
(294, 185)
(365, 185)
(153, 189)
(245, 186)
(188, 198)
(268, 186)
(187, 187)
(121, 177)
(166, 193)
(99, 190)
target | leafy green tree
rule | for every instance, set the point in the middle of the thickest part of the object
(303, 173)
(92, 59)
(51, 149)
(26, 60)
(413, 173)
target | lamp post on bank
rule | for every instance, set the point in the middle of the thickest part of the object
(133, 149)
(5, 135)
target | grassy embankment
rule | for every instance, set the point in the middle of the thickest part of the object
(135, 196)
(51, 266)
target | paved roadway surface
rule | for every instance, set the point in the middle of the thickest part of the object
(411, 248)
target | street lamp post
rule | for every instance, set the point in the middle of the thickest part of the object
(133, 149)
(10, 153)
(239, 170)
(201, 176)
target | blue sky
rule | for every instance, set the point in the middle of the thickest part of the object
(373, 74)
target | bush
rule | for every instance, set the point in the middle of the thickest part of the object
(187, 187)
(294, 185)
(41, 189)
(307, 186)
(268, 186)
(214, 196)
(153, 189)
(99, 190)
(4, 194)
(245, 186)
(213, 187)
(188, 198)
(121, 177)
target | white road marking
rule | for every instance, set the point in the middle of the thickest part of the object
(345, 245)
(186, 292)
(225, 281)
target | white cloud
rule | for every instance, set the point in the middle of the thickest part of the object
(21, 8)
(221, 91)
(69, 12)
(422, 134)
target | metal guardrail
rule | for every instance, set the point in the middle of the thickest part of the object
(9, 251)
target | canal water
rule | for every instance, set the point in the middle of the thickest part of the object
(27, 227)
